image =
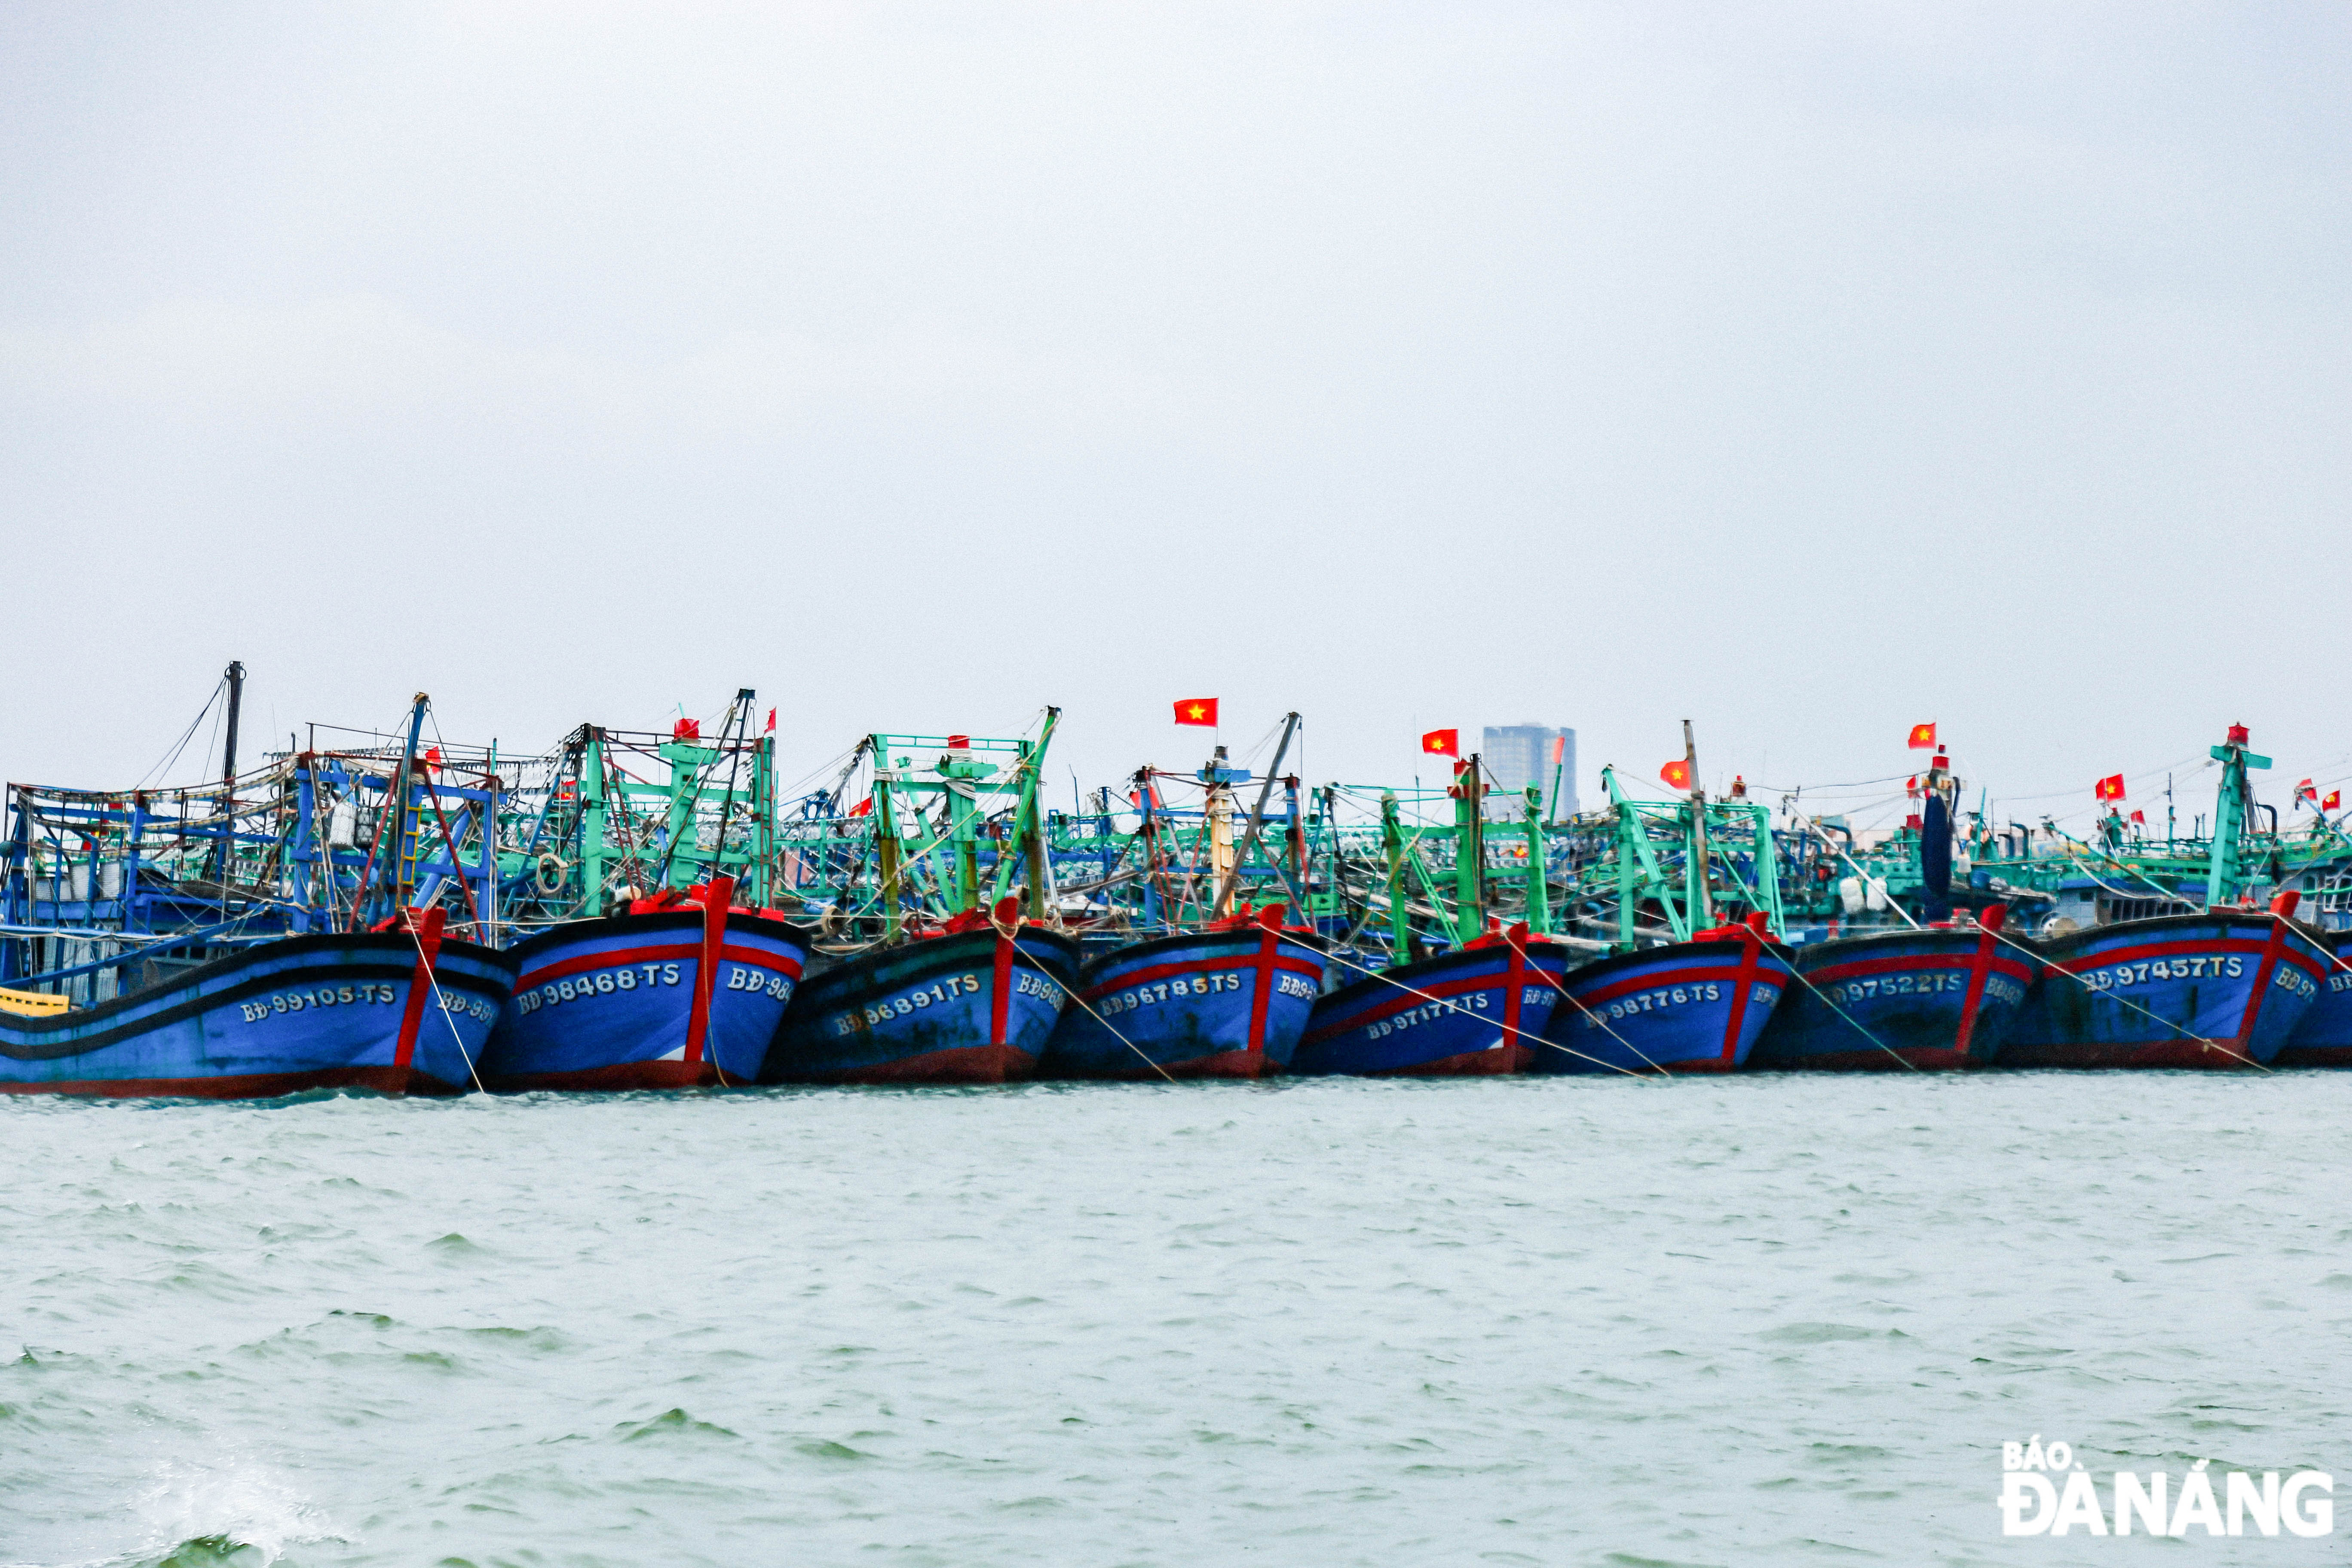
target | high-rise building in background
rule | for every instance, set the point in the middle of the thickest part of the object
(1518, 755)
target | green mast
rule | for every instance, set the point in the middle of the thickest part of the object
(1392, 843)
(1538, 870)
(1469, 854)
(592, 806)
(1027, 823)
(2230, 814)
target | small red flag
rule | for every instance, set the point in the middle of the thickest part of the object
(1202, 710)
(2140, 816)
(2109, 788)
(1923, 737)
(2305, 789)
(1443, 742)
(1677, 772)
(1911, 785)
(1559, 749)
(862, 808)
(2335, 798)
(687, 729)
(772, 720)
(433, 758)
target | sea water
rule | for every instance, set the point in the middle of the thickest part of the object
(1768, 1319)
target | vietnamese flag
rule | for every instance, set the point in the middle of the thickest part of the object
(1199, 710)
(2335, 799)
(1677, 772)
(2109, 788)
(862, 808)
(2140, 818)
(1923, 737)
(2305, 789)
(1443, 742)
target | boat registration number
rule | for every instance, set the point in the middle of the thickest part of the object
(1665, 997)
(1160, 990)
(358, 995)
(1931, 983)
(2288, 978)
(324, 996)
(601, 983)
(936, 995)
(2232, 966)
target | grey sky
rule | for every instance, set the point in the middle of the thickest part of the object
(1808, 371)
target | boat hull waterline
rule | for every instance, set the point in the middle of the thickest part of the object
(2223, 989)
(1933, 1000)
(390, 1011)
(1228, 1003)
(1694, 1006)
(672, 999)
(1476, 1011)
(974, 1006)
(2323, 1038)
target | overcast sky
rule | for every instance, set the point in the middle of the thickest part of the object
(1808, 371)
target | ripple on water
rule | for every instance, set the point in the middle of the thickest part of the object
(1314, 1323)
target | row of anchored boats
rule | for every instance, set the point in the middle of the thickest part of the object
(387, 917)
(694, 990)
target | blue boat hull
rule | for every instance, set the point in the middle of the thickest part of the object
(623, 1003)
(2323, 1038)
(1474, 1011)
(2223, 989)
(1686, 1007)
(971, 1007)
(304, 1013)
(1928, 999)
(1228, 1003)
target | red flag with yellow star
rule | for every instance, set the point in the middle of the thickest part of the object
(1443, 743)
(1676, 774)
(1202, 710)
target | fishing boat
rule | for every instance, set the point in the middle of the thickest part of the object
(679, 987)
(1938, 997)
(684, 991)
(938, 967)
(2323, 1038)
(401, 1011)
(1228, 1000)
(1698, 1002)
(1476, 1010)
(2222, 989)
(2225, 986)
(974, 1002)
(1696, 1006)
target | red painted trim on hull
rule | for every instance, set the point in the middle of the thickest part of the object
(246, 1086)
(675, 952)
(1194, 966)
(1696, 974)
(1829, 973)
(960, 1064)
(1700, 1066)
(615, 1076)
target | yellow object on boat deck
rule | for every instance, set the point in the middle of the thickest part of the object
(36, 1003)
